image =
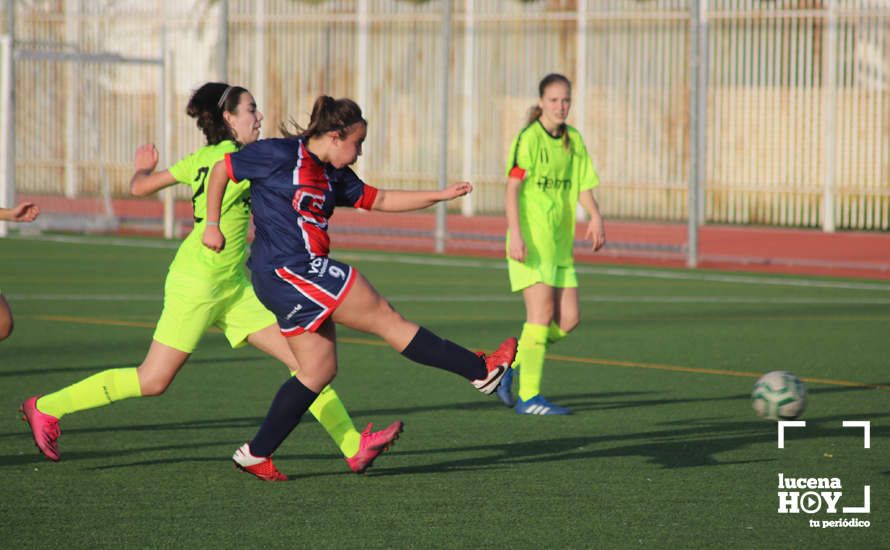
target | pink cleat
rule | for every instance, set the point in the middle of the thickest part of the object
(497, 364)
(372, 444)
(44, 428)
(260, 466)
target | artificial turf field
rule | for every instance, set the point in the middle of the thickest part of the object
(663, 449)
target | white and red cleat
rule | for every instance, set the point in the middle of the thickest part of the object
(372, 444)
(44, 428)
(497, 363)
(260, 466)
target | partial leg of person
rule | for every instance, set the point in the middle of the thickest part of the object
(359, 449)
(189, 308)
(306, 301)
(566, 316)
(5, 318)
(316, 353)
(540, 305)
(366, 310)
(151, 378)
(302, 299)
(539, 310)
(533, 280)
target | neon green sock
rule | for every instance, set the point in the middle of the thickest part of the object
(530, 355)
(332, 415)
(98, 390)
(554, 333)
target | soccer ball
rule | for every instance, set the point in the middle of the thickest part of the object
(779, 395)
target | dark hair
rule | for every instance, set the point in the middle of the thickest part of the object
(328, 115)
(535, 112)
(207, 105)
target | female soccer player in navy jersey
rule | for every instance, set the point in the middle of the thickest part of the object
(296, 182)
(202, 290)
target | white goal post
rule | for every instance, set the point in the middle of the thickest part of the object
(68, 131)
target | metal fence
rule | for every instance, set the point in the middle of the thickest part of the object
(795, 105)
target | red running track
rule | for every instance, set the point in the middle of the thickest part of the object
(738, 248)
(776, 250)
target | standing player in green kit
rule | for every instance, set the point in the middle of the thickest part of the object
(203, 289)
(549, 173)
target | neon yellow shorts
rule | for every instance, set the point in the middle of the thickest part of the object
(194, 304)
(523, 276)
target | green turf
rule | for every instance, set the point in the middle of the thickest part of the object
(654, 456)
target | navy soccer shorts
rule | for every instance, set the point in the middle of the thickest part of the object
(302, 296)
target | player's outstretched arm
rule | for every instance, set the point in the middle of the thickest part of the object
(389, 200)
(22, 212)
(216, 188)
(145, 180)
(596, 229)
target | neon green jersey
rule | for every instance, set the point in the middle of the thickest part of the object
(193, 256)
(553, 177)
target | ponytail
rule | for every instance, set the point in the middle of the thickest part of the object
(328, 115)
(534, 113)
(207, 105)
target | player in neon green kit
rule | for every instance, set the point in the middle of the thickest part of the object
(203, 289)
(549, 172)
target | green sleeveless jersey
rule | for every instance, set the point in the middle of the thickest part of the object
(553, 177)
(193, 256)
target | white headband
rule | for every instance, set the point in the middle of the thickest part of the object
(222, 98)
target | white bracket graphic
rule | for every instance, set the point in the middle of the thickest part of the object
(866, 503)
(790, 424)
(866, 438)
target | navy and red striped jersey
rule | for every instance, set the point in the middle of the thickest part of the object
(293, 195)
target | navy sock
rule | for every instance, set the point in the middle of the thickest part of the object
(288, 407)
(428, 349)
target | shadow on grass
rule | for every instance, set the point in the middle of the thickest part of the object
(691, 446)
(254, 421)
(681, 444)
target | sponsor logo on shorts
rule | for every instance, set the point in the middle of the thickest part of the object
(294, 311)
(318, 266)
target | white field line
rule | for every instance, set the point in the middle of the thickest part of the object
(626, 272)
(657, 299)
(649, 273)
(125, 242)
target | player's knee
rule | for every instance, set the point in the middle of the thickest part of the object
(385, 307)
(152, 386)
(329, 376)
(291, 364)
(153, 389)
(317, 377)
(387, 314)
(570, 324)
(540, 317)
(5, 320)
(326, 371)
